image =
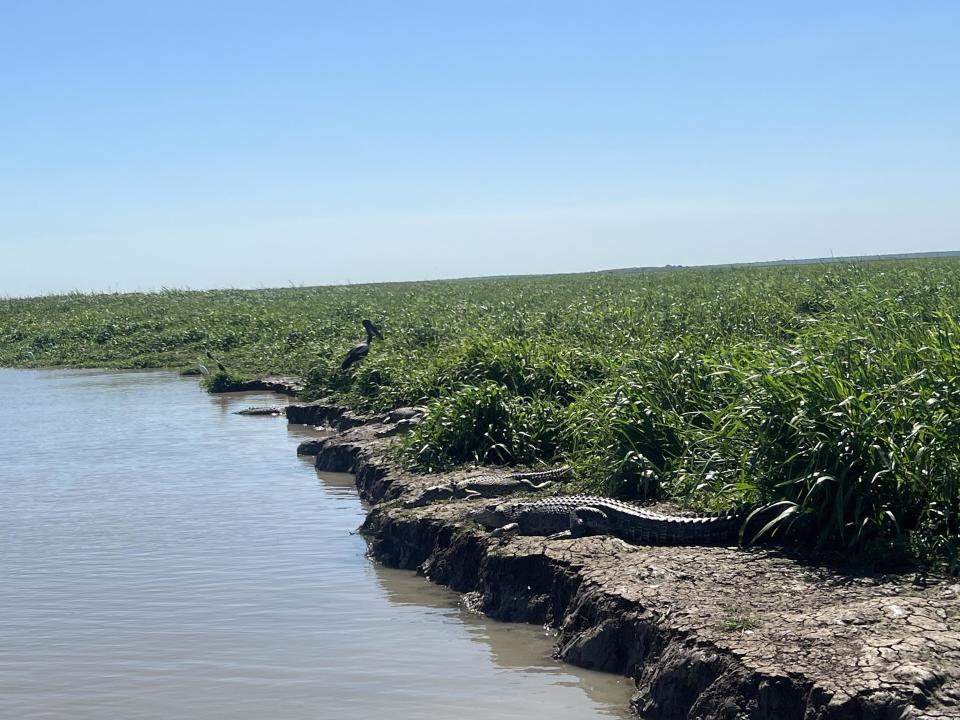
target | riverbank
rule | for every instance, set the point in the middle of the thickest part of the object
(704, 632)
(830, 389)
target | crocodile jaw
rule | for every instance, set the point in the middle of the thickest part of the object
(492, 516)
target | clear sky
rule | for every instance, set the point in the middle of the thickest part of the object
(252, 144)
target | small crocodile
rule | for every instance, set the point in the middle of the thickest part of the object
(403, 413)
(581, 515)
(400, 427)
(272, 410)
(400, 421)
(491, 486)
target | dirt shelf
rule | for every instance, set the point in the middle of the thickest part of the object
(705, 632)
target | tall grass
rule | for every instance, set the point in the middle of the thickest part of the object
(833, 388)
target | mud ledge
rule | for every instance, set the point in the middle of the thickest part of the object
(707, 633)
(283, 385)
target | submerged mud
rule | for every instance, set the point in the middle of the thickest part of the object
(705, 632)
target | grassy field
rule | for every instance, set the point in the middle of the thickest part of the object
(834, 388)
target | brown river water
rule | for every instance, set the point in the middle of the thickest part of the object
(162, 557)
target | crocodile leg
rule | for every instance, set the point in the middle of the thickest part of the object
(589, 521)
(508, 529)
(542, 486)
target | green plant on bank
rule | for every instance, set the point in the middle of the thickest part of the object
(485, 424)
(830, 388)
(739, 621)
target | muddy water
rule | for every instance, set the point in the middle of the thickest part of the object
(162, 557)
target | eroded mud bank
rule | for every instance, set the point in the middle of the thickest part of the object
(705, 632)
(282, 385)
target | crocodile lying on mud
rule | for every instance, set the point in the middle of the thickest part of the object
(714, 633)
(582, 515)
(490, 486)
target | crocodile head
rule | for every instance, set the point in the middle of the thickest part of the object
(438, 492)
(494, 516)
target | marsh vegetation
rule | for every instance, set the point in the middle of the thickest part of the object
(833, 388)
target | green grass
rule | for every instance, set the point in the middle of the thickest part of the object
(834, 388)
(739, 621)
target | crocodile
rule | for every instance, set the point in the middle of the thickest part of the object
(491, 486)
(400, 427)
(581, 515)
(272, 410)
(403, 413)
(400, 421)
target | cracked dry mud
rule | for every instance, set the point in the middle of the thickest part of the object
(706, 632)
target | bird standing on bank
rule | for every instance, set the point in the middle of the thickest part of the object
(219, 364)
(359, 352)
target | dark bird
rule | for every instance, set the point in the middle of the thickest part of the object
(219, 364)
(359, 352)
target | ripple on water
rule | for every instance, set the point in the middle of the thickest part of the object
(163, 557)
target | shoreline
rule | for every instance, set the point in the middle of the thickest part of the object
(704, 632)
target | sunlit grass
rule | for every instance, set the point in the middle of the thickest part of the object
(831, 387)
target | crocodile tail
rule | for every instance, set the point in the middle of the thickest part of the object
(564, 472)
(701, 530)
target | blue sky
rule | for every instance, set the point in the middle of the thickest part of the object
(193, 144)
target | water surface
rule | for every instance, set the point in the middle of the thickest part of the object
(162, 557)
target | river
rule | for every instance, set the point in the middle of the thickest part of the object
(163, 557)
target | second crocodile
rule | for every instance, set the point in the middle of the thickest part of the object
(581, 515)
(491, 486)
